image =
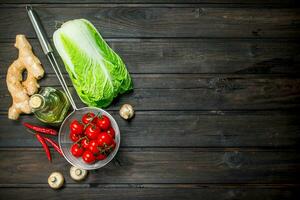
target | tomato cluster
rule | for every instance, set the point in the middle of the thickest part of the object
(93, 137)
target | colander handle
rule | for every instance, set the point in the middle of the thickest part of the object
(47, 49)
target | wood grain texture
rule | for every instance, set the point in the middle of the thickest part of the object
(25, 166)
(259, 2)
(184, 129)
(137, 22)
(217, 93)
(190, 55)
(208, 192)
(197, 92)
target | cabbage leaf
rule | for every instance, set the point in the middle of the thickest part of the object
(97, 72)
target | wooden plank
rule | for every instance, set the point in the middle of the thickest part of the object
(280, 2)
(197, 21)
(190, 55)
(23, 166)
(199, 92)
(209, 193)
(184, 129)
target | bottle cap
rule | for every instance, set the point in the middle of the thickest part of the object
(36, 101)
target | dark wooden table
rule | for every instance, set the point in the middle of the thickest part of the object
(217, 93)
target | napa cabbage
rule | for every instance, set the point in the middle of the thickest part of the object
(97, 72)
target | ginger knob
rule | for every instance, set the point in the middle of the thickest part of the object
(21, 90)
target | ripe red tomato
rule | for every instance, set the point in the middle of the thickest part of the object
(93, 146)
(92, 131)
(88, 157)
(76, 150)
(85, 143)
(104, 139)
(101, 156)
(113, 146)
(74, 137)
(76, 127)
(103, 122)
(111, 132)
(88, 118)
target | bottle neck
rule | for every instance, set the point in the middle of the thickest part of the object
(38, 102)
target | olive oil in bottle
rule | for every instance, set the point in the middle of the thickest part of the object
(50, 105)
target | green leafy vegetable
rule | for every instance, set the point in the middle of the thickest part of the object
(97, 72)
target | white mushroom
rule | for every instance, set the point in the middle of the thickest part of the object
(127, 111)
(56, 180)
(78, 174)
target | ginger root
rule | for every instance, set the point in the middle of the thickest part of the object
(21, 90)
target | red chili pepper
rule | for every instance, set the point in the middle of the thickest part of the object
(45, 130)
(45, 146)
(54, 144)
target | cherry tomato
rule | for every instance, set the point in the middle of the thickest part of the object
(93, 147)
(111, 132)
(88, 157)
(104, 139)
(74, 137)
(76, 150)
(101, 156)
(92, 131)
(85, 143)
(88, 118)
(76, 127)
(103, 122)
(113, 146)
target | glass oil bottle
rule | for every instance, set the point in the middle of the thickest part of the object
(50, 105)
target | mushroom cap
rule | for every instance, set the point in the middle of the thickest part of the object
(126, 111)
(56, 180)
(78, 174)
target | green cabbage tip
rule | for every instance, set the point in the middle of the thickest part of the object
(97, 72)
